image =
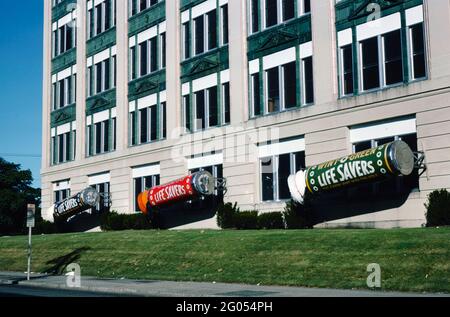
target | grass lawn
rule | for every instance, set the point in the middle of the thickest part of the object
(411, 259)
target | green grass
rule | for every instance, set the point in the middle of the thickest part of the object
(411, 259)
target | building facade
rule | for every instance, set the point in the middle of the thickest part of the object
(141, 92)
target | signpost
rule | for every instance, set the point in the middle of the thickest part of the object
(31, 211)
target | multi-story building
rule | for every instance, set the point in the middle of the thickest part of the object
(138, 92)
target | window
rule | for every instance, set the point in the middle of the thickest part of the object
(308, 80)
(305, 6)
(226, 102)
(212, 30)
(63, 147)
(288, 9)
(64, 92)
(104, 203)
(163, 50)
(187, 113)
(275, 171)
(256, 94)
(101, 137)
(347, 70)
(101, 18)
(60, 195)
(278, 11)
(64, 38)
(137, 6)
(271, 13)
(370, 64)
(148, 124)
(148, 56)
(418, 65)
(199, 35)
(224, 15)
(144, 183)
(381, 59)
(205, 32)
(254, 18)
(281, 88)
(217, 172)
(206, 109)
(186, 42)
(102, 76)
(200, 112)
(273, 90)
(290, 91)
(393, 58)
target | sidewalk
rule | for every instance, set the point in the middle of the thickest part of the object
(189, 289)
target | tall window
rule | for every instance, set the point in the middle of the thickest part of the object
(347, 70)
(64, 92)
(137, 6)
(187, 111)
(370, 64)
(64, 38)
(256, 94)
(308, 80)
(144, 183)
(60, 195)
(101, 137)
(102, 76)
(148, 56)
(281, 88)
(417, 51)
(382, 69)
(275, 171)
(206, 108)
(205, 32)
(148, 124)
(101, 18)
(104, 203)
(278, 11)
(63, 147)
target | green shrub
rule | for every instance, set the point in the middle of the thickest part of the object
(246, 220)
(45, 227)
(297, 216)
(225, 215)
(438, 208)
(114, 221)
(271, 220)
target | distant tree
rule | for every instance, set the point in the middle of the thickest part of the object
(15, 193)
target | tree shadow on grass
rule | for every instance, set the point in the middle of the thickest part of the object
(58, 265)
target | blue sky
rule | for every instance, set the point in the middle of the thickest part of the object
(21, 25)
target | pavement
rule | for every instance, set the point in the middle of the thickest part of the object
(12, 283)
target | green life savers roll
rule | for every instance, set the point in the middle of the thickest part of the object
(391, 159)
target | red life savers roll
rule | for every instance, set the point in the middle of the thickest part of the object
(184, 189)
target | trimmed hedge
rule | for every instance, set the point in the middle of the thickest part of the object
(438, 208)
(114, 221)
(297, 216)
(271, 220)
(246, 220)
(225, 215)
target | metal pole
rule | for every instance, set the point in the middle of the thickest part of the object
(29, 254)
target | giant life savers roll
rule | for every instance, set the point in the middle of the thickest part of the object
(84, 200)
(392, 159)
(184, 189)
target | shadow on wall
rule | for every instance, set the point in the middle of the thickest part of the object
(187, 213)
(355, 202)
(58, 265)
